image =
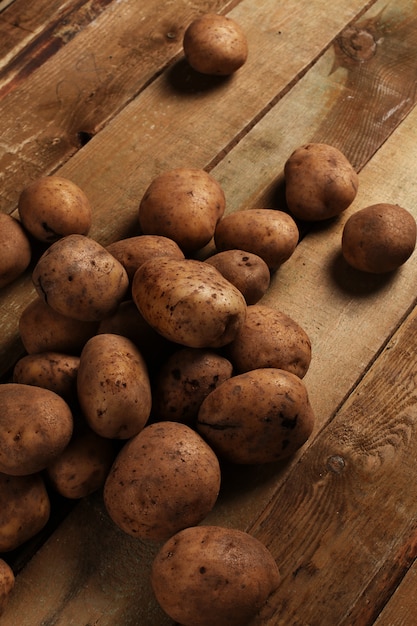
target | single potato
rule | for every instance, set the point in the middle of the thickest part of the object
(79, 278)
(183, 204)
(215, 44)
(257, 417)
(320, 182)
(35, 426)
(164, 479)
(50, 370)
(188, 302)
(246, 271)
(52, 207)
(7, 581)
(207, 575)
(270, 234)
(24, 511)
(270, 338)
(113, 386)
(379, 238)
(15, 249)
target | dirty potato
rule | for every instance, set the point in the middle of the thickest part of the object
(246, 271)
(50, 370)
(7, 581)
(15, 249)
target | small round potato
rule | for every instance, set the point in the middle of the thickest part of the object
(7, 581)
(24, 511)
(52, 207)
(270, 338)
(208, 575)
(215, 44)
(35, 426)
(320, 182)
(164, 479)
(42, 329)
(184, 380)
(50, 370)
(271, 234)
(113, 386)
(184, 205)
(79, 278)
(246, 271)
(15, 249)
(257, 417)
(379, 238)
(188, 302)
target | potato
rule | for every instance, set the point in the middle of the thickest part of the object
(260, 416)
(188, 302)
(134, 251)
(246, 271)
(50, 370)
(35, 426)
(78, 278)
(207, 575)
(7, 581)
(270, 338)
(42, 329)
(52, 207)
(113, 386)
(15, 249)
(24, 511)
(320, 182)
(183, 204)
(164, 479)
(379, 238)
(82, 468)
(215, 44)
(270, 234)
(184, 380)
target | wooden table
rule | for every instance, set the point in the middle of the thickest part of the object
(98, 91)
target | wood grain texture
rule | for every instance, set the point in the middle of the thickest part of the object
(401, 609)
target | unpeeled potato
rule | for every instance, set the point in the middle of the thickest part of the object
(247, 271)
(7, 581)
(50, 370)
(15, 249)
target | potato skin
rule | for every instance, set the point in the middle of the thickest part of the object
(164, 479)
(320, 182)
(271, 234)
(215, 44)
(7, 581)
(207, 575)
(35, 426)
(379, 238)
(183, 204)
(246, 271)
(25, 509)
(113, 386)
(79, 278)
(188, 302)
(52, 207)
(15, 249)
(260, 416)
(270, 338)
(50, 370)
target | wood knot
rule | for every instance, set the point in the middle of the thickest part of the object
(357, 43)
(336, 464)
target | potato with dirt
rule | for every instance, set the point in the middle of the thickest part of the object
(208, 575)
(15, 249)
(7, 582)
(246, 271)
(50, 370)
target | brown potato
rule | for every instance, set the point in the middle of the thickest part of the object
(42, 329)
(113, 386)
(7, 581)
(270, 234)
(52, 207)
(246, 271)
(379, 238)
(50, 370)
(164, 479)
(320, 182)
(35, 426)
(184, 205)
(260, 416)
(15, 249)
(79, 278)
(24, 511)
(134, 251)
(188, 302)
(270, 338)
(215, 44)
(208, 575)
(184, 380)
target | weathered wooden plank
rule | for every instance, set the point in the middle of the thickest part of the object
(401, 610)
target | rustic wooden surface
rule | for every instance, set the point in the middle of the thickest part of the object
(99, 91)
